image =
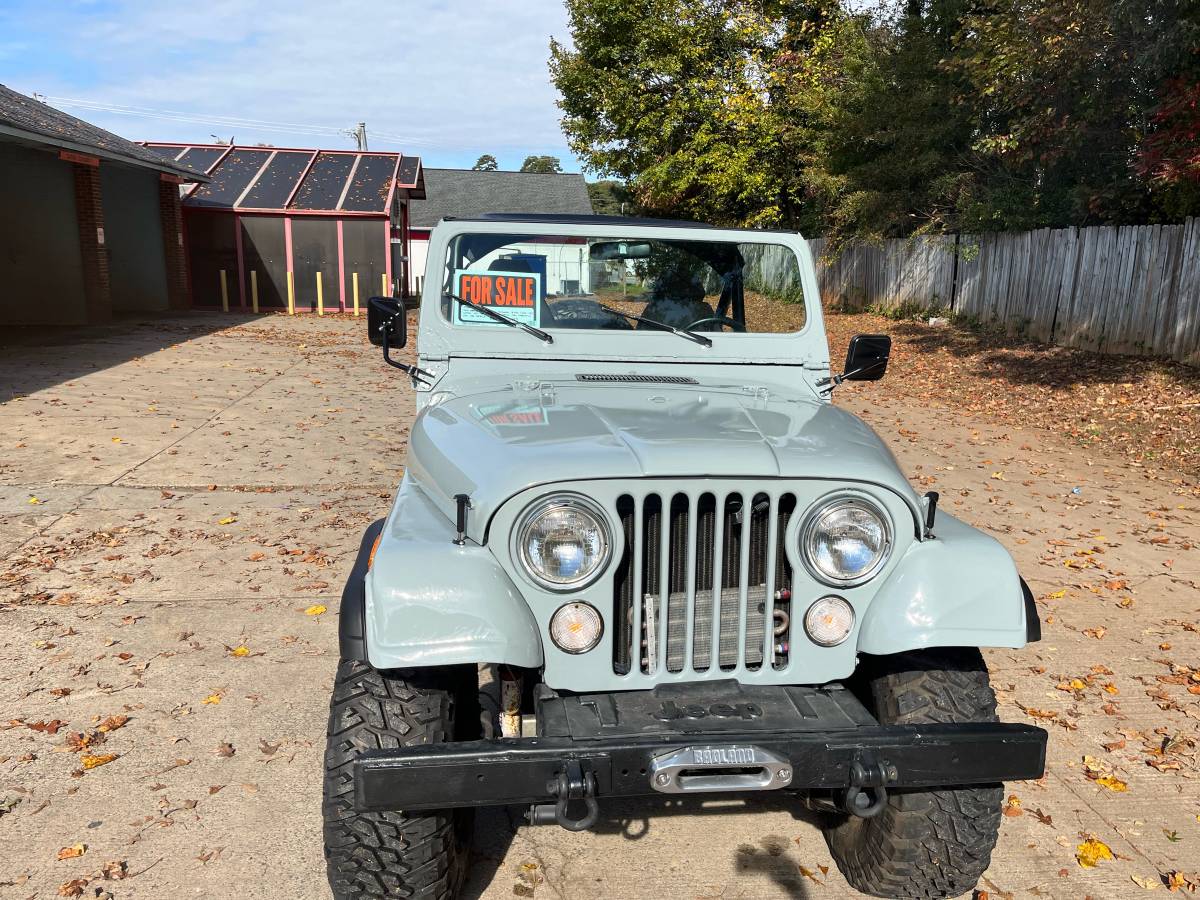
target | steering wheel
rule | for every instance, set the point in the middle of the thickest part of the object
(720, 321)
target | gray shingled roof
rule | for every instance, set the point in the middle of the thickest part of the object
(464, 193)
(32, 120)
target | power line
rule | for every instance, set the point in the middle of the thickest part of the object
(219, 120)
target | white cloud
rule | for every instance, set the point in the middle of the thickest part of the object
(451, 78)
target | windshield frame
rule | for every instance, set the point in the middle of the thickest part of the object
(440, 338)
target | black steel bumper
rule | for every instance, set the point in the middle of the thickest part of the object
(672, 741)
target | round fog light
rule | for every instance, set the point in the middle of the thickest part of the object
(576, 627)
(828, 621)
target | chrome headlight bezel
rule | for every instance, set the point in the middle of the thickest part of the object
(811, 526)
(538, 508)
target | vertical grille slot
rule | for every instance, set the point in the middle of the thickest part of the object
(702, 581)
(677, 565)
(706, 536)
(782, 642)
(623, 611)
(651, 560)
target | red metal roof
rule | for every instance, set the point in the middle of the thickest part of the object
(286, 179)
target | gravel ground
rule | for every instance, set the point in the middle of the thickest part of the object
(179, 498)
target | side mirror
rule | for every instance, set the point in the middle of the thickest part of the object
(867, 357)
(386, 317)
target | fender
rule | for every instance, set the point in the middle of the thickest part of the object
(430, 602)
(940, 596)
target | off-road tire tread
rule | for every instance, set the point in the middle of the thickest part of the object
(388, 854)
(924, 844)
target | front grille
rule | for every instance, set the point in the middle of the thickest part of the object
(667, 615)
(638, 379)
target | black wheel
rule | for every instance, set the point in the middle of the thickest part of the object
(391, 854)
(923, 844)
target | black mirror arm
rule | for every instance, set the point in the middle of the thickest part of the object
(834, 380)
(418, 375)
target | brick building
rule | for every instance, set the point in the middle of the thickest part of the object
(90, 223)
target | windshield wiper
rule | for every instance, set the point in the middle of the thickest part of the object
(682, 332)
(500, 317)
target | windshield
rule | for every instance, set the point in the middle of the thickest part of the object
(555, 282)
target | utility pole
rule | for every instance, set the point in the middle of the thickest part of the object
(360, 136)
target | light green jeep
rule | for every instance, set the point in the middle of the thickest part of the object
(637, 552)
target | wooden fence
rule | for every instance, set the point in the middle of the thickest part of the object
(1114, 289)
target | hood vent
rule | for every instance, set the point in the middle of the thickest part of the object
(638, 379)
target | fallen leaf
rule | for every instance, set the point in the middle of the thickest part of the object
(1113, 783)
(72, 888)
(810, 875)
(92, 762)
(50, 727)
(228, 520)
(1149, 884)
(1091, 852)
(240, 650)
(72, 852)
(315, 610)
(211, 700)
(112, 723)
(1012, 806)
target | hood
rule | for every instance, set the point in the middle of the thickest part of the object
(492, 444)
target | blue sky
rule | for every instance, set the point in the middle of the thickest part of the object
(446, 80)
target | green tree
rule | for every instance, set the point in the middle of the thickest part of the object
(485, 163)
(1068, 95)
(673, 96)
(543, 165)
(609, 197)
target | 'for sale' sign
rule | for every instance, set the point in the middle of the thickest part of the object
(512, 294)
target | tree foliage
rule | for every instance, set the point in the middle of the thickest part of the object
(485, 163)
(542, 165)
(609, 197)
(921, 115)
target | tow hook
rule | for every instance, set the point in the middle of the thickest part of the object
(571, 784)
(867, 793)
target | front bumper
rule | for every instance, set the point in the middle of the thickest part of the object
(725, 739)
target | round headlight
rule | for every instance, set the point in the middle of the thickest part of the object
(828, 621)
(563, 542)
(846, 541)
(576, 627)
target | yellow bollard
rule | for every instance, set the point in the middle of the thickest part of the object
(254, 290)
(320, 297)
(291, 295)
(224, 293)
(355, 280)
(383, 281)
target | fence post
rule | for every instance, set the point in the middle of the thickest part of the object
(224, 292)
(320, 296)
(291, 295)
(254, 290)
(354, 278)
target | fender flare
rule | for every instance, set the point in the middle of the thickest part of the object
(352, 626)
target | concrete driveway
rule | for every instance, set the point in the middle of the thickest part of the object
(179, 497)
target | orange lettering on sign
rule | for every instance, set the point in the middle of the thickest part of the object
(497, 290)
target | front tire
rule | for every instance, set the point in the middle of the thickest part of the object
(391, 854)
(923, 844)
